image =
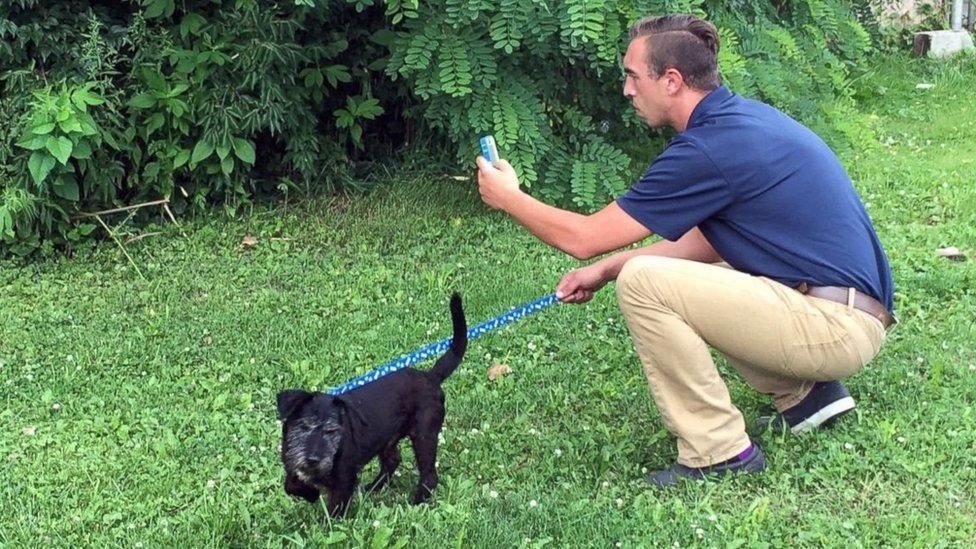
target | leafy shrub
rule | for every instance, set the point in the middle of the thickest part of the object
(211, 102)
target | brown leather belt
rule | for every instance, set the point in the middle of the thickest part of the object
(861, 301)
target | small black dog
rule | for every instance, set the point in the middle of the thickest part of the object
(328, 439)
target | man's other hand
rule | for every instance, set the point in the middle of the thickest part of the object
(578, 286)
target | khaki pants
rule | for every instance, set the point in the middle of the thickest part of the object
(779, 340)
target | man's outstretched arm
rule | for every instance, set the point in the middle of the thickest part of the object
(581, 236)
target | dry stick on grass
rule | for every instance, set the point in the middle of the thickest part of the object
(173, 219)
(120, 245)
(163, 201)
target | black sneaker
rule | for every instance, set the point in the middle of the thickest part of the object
(751, 461)
(827, 401)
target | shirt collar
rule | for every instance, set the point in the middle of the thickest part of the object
(708, 104)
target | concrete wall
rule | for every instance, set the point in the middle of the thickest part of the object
(906, 11)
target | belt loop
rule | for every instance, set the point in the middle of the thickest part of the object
(851, 292)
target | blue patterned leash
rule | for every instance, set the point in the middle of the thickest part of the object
(435, 349)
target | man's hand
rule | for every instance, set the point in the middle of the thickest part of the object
(578, 286)
(497, 184)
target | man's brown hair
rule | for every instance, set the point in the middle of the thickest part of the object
(682, 42)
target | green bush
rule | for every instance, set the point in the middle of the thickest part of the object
(212, 102)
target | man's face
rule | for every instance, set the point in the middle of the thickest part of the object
(647, 93)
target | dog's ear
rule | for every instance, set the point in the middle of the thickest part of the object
(347, 406)
(290, 401)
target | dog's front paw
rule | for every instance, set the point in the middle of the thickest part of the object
(420, 495)
(295, 487)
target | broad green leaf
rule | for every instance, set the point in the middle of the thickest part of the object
(344, 118)
(82, 98)
(201, 151)
(154, 79)
(40, 164)
(60, 147)
(337, 73)
(110, 139)
(227, 165)
(177, 107)
(82, 150)
(244, 150)
(181, 158)
(142, 101)
(65, 186)
(43, 129)
(88, 126)
(32, 142)
(72, 124)
(178, 89)
(154, 123)
(369, 109)
(191, 24)
(223, 151)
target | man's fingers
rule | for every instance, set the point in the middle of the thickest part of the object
(566, 287)
(579, 296)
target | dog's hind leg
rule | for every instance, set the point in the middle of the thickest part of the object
(389, 461)
(424, 441)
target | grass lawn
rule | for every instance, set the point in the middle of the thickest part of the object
(141, 412)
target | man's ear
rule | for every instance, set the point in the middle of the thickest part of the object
(291, 401)
(675, 82)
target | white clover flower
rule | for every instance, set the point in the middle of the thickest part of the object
(533, 503)
(493, 494)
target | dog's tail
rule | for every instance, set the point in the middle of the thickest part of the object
(446, 364)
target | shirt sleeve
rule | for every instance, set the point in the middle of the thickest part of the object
(678, 191)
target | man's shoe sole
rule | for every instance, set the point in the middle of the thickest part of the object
(825, 415)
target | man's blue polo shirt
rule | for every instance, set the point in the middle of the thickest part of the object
(767, 193)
